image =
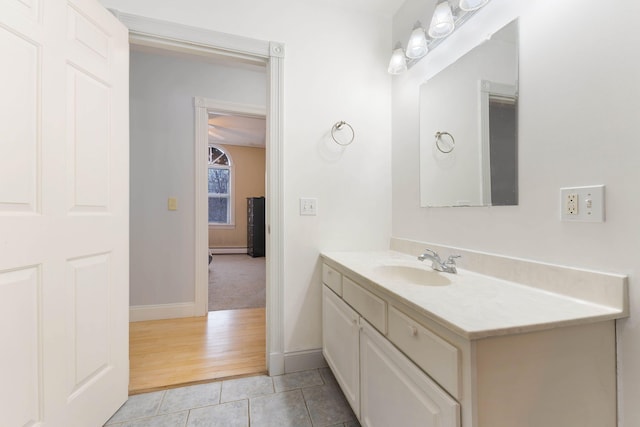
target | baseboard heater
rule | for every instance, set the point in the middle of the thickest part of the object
(221, 251)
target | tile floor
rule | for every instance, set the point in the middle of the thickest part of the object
(301, 399)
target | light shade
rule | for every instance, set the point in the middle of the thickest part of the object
(469, 5)
(442, 21)
(398, 62)
(417, 46)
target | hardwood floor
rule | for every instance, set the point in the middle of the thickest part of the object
(167, 353)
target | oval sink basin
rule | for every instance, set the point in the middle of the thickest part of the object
(413, 275)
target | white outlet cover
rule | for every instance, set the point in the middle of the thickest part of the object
(590, 204)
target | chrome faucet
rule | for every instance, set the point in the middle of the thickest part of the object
(449, 266)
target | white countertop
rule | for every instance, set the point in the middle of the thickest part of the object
(472, 305)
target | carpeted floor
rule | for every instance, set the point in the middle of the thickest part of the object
(236, 281)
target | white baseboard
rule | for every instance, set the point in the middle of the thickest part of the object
(220, 251)
(139, 313)
(276, 364)
(304, 360)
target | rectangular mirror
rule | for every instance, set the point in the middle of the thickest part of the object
(469, 127)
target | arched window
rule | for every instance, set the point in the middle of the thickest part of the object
(220, 187)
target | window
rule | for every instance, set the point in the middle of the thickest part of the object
(219, 185)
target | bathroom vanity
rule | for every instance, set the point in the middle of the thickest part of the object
(410, 346)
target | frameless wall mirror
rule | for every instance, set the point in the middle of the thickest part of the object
(469, 127)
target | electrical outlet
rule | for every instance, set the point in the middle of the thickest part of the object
(584, 204)
(571, 204)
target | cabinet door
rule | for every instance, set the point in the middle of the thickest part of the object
(394, 391)
(340, 344)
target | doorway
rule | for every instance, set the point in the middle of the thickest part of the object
(166, 35)
(236, 205)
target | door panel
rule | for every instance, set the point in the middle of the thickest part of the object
(88, 142)
(19, 296)
(90, 45)
(63, 213)
(19, 126)
(89, 286)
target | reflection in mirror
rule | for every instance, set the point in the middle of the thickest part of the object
(475, 101)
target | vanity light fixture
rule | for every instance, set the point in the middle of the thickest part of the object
(442, 21)
(417, 46)
(469, 5)
(398, 62)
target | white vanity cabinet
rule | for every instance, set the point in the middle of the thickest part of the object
(383, 386)
(398, 366)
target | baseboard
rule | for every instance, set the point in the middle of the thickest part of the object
(139, 313)
(304, 360)
(276, 364)
(221, 251)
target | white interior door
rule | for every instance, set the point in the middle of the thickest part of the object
(64, 194)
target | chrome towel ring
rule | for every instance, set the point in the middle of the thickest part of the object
(339, 126)
(442, 145)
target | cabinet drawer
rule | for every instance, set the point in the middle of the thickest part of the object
(435, 356)
(332, 279)
(371, 307)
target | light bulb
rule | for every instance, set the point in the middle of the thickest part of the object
(398, 62)
(442, 21)
(417, 46)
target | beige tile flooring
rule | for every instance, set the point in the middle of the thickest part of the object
(301, 399)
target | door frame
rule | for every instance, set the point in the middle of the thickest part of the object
(172, 36)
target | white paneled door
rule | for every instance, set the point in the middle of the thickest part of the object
(64, 167)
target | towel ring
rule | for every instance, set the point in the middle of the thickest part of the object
(339, 126)
(439, 136)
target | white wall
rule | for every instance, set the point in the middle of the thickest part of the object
(335, 69)
(578, 125)
(162, 88)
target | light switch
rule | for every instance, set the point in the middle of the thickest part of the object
(173, 204)
(308, 206)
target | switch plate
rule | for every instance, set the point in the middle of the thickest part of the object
(584, 204)
(172, 204)
(308, 206)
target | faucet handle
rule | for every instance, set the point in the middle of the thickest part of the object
(432, 252)
(452, 259)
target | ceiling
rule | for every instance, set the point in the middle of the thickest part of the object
(232, 129)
